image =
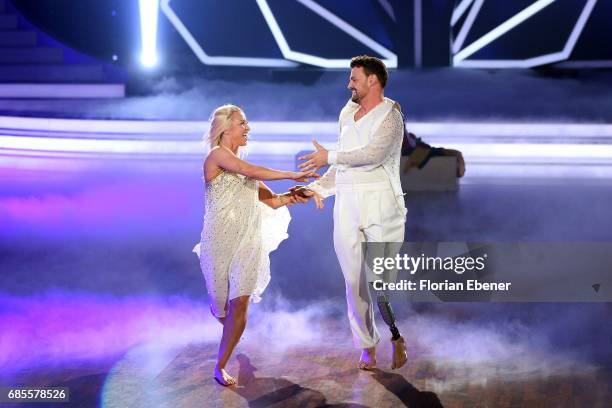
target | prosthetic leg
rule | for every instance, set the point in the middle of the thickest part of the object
(397, 341)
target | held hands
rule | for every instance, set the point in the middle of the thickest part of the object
(289, 198)
(303, 195)
(315, 160)
(299, 195)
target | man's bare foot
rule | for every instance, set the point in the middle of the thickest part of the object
(399, 353)
(223, 378)
(368, 359)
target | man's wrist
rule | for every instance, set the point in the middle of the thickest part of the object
(331, 157)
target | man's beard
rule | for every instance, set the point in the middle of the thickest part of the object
(355, 97)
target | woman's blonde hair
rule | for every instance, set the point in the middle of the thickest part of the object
(220, 121)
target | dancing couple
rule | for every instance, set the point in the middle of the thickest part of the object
(245, 220)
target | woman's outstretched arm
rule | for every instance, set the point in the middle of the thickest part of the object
(224, 158)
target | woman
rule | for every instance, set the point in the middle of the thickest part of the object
(239, 232)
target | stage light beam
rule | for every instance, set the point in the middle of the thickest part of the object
(148, 31)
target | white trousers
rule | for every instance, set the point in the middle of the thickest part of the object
(363, 212)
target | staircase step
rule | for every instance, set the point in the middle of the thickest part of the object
(17, 38)
(59, 91)
(31, 55)
(51, 73)
(8, 21)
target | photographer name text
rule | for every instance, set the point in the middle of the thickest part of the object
(426, 284)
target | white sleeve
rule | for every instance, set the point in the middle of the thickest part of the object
(326, 185)
(331, 157)
(378, 149)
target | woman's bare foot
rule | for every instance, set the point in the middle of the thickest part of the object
(368, 359)
(223, 378)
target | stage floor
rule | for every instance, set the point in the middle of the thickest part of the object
(320, 371)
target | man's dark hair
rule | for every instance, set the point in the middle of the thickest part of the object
(372, 65)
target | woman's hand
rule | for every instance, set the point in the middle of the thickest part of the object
(304, 176)
(305, 194)
(290, 198)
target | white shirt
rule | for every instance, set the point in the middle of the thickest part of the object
(369, 146)
(353, 135)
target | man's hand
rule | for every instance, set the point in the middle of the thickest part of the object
(303, 193)
(289, 198)
(315, 160)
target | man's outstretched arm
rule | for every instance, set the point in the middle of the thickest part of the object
(372, 154)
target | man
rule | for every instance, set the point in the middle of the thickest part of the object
(369, 207)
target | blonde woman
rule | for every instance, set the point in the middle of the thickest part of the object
(243, 222)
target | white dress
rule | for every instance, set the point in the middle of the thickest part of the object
(238, 234)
